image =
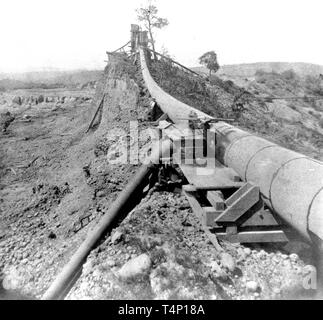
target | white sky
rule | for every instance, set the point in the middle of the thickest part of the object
(71, 34)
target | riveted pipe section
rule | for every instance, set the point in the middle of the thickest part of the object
(293, 191)
(175, 109)
(62, 284)
(315, 216)
(290, 183)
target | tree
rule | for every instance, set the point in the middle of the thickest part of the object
(149, 16)
(209, 60)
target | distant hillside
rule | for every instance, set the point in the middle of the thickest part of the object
(296, 124)
(249, 69)
(48, 79)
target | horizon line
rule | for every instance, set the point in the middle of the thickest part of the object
(60, 69)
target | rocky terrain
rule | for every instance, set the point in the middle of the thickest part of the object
(58, 179)
(160, 251)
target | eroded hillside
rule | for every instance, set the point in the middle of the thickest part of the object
(294, 124)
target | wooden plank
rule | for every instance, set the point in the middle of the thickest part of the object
(254, 236)
(185, 68)
(205, 214)
(96, 113)
(234, 197)
(195, 205)
(216, 200)
(217, 186)
(211, 176)
(238, 208)
(119, 48)
(200, 213)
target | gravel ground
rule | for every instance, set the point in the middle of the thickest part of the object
(54, 174)
(160, 251)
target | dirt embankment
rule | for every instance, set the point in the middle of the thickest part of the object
(55, 180)
(291, 124)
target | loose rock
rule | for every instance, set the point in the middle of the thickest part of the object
(228, 262)
(116, 237)
(252, 286)
(135, 267)
(293, 257)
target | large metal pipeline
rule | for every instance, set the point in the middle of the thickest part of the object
(290, 183)
(121, 206)
(174, 108)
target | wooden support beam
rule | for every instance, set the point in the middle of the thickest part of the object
(259, 225)
(254, 236)
(207, 215)
(210, 214)
(200, 213)
(195, 205)
(218, 187)
(212, 176)
(216, 199)
(238, 194)
(119, 48)
(173, 61)
(96, 113)
(240, 205)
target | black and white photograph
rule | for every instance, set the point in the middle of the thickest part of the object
(161, 155)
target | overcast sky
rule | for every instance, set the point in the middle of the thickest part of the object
(73, 34)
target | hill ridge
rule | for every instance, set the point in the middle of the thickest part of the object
(249, 69)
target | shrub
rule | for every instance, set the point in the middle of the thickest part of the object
(289, 74)
(41, 99)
